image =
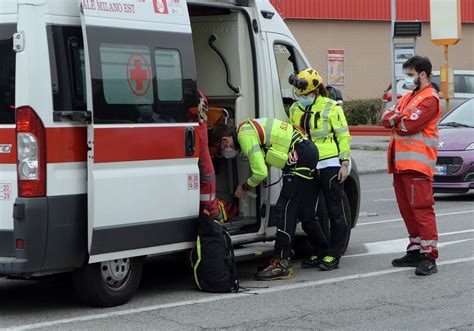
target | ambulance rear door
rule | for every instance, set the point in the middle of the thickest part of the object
(143, 177)
(8, 156)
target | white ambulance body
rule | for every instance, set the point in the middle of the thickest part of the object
(98, 160)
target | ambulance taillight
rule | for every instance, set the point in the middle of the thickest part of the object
(31, 153)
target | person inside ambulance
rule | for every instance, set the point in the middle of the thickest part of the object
(412, 156)
(268, 142)
(147, 115)
(324, 122)
(207, 176)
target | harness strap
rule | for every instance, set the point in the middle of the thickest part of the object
(257, 127)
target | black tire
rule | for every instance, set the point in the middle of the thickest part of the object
(96, 286)
(322, 214)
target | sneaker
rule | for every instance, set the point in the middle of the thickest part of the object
(411, 259)
(265, 265)
(329, 263)
(276, 269)
(312, 262)
(426, 267)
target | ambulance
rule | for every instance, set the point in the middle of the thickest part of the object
(98, 159)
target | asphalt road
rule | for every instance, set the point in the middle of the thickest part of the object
(366, 293)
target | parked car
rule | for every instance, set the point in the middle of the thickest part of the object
(463, 83)
(455, 164)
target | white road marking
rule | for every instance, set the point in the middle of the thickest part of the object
(399, 245)
(401, 219)
(222, 297)
(395, 246)
(384, 200)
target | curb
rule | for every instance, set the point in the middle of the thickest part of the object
(371, 172)
(363, 147)
(368, 130)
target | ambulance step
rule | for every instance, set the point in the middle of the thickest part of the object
(239, 223)
(252, 251)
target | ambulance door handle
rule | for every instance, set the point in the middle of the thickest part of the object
(189, 141)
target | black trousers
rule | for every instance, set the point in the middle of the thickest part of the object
(328, 183)
(289, 202)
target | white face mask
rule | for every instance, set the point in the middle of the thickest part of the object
(411, 83)
(229, 153)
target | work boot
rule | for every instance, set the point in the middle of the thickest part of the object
(329, 263)
(312, 262)
(426, 267)
(276, 269)
(411, 259)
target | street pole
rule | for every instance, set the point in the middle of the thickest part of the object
(394, 80)
(447, 97)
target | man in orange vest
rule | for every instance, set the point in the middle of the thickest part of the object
(412, 157)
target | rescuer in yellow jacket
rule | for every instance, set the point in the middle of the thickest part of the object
(268, 142)
(324, 122)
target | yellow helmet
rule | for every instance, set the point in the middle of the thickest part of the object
(305, 81)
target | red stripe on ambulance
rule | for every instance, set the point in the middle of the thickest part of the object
(66, 145)
(140, 144)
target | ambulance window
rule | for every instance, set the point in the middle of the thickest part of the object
(169, 75)
(141, 76)
(288, 61)
(67, 68)
(7, 75)
(126, 74)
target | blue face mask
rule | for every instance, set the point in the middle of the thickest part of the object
(146, 112)
(306, 100)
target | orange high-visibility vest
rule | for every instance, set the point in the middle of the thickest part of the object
(417, 151)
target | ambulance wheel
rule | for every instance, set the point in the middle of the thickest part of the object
(322, 214)
(110, 283)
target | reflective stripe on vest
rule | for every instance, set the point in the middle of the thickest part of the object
(430, 142)
(413, 156)
(207, 197)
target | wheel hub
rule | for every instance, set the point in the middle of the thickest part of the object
(116, 272)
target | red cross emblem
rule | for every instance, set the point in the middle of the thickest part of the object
(138, 74)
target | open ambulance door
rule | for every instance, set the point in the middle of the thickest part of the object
(142, 163)
(285, 59)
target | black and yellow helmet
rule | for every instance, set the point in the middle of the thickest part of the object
(305, 81)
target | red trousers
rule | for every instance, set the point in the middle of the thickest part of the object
(207, 175)
(415, 200)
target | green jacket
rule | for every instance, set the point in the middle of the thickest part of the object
(277, 134)
(328, 127)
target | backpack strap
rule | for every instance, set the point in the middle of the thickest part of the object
(257, 127)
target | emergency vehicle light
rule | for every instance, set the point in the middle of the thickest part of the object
(31, 153)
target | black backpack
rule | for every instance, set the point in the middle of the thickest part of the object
(213, 259)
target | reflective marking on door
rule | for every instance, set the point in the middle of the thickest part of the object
(5, 191)
(5, 148)
(193, 182)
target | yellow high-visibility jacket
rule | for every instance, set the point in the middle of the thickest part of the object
(327, 127)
